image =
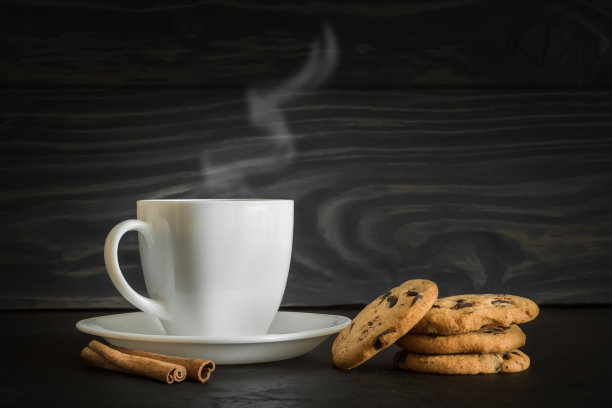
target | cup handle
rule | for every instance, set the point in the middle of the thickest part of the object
(112, 266)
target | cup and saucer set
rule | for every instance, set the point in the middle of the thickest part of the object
(216, 271)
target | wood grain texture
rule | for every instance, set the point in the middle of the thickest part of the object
(235, 43)
(480, 191)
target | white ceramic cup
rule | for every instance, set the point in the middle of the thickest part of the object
(212, 267)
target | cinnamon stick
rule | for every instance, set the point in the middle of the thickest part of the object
(197, 369)
(95, 359)
(104, 356)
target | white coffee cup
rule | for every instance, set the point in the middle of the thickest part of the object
(212, 267)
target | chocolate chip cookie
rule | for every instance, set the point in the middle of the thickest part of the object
(509, 362)
(382, 322)
(488, 339)
(466, 313)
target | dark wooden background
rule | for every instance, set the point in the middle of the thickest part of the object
(468, 142)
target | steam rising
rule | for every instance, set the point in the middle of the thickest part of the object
(225, 170)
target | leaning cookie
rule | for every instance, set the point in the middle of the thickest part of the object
(488, 339)
(382, 322)
(466, 313)
(509, 362)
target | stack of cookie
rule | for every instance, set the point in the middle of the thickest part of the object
(468, 334)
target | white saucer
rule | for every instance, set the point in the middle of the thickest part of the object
(291, 334)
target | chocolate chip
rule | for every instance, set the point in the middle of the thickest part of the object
(498, 301)
(392, 300)
(383, 297)
(506, 356)
(370, 324)
(461, 305)
(417, 297)
(460, 300)
(435, 306)
(516, 353)
(412, 293)
(378, 344)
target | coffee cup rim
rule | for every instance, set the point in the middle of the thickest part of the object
(214, 200)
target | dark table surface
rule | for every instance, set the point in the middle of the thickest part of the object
(568, 346)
